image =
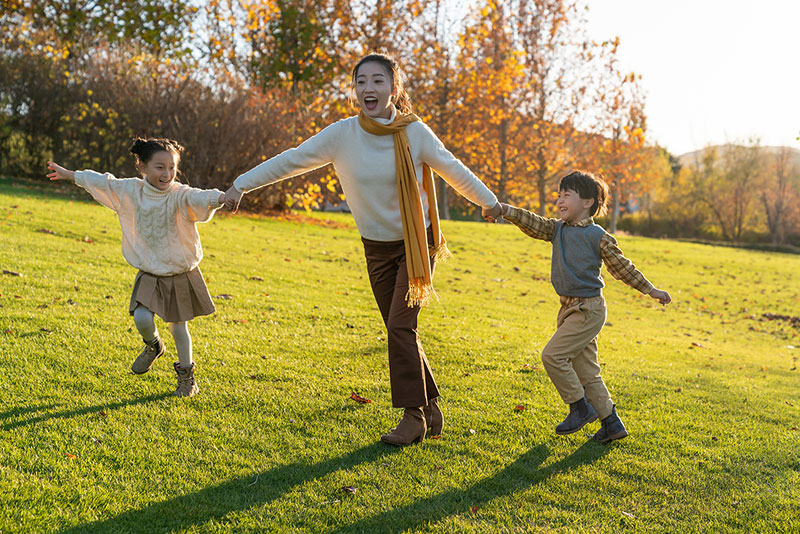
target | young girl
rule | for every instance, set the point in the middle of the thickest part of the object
(383, 158)
(158, 217)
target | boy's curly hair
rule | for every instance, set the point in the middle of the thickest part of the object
(587, 185)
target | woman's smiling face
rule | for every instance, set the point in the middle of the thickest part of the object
(374, 88)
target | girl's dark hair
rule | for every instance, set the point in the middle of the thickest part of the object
(400, 98)
(587, 185)
(143, 149)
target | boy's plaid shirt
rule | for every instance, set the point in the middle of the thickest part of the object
(617, 265)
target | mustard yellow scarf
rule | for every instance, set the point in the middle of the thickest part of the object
(420, 282)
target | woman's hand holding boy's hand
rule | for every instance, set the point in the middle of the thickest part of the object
(492, 214)
(232, 198)
(662, 296)
(59, 172)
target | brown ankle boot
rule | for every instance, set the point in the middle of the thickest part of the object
(410, 429)
(433, 417)
(187, 385)
(144, 361)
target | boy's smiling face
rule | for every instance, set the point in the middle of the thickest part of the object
(572, 207)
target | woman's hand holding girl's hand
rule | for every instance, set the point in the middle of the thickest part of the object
(492, 214)
(232, 198)
(59, 172)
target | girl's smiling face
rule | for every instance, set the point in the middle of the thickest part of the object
(374, 90)
(161, 169)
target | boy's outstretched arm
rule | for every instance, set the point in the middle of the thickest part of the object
(59, 172)
(624, 270)
(530, 223)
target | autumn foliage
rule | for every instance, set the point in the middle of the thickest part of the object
(514, 88)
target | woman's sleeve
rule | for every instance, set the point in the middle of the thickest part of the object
(105, 188)
(313, 153)
(453, 171)
(199, 205)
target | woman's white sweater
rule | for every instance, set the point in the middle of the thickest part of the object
(159, 231)
(365, 166)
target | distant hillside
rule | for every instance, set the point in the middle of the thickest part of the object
(690, 158)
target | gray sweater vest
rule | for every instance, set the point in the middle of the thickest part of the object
(575, 267)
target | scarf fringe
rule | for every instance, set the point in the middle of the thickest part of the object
(441, 253)
(420, 294)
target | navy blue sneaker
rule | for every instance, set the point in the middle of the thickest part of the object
(581, 413)
(611, 428)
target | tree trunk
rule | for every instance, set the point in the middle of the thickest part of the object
(612, 224)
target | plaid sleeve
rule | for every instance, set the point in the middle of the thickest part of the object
(531, 224)
(621, 267)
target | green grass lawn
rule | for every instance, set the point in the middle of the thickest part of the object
(708, 388)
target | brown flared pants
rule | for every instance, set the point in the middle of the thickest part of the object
(409, 372)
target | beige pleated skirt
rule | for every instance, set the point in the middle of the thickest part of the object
(176, 299)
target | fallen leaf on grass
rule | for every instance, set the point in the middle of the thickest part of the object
(474, 509)
(87, 239)
(696, 344)
(677, 390)
(70, 456)
(352, 490)
(223, 296)
(46, 231)
(45, 329)
(520, 407)
(359, 399)
(257, 278)
(12, 273)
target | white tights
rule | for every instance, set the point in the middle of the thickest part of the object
(146, 325)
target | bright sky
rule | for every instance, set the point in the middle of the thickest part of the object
(714, 71)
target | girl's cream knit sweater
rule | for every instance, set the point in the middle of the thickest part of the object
(159, 231)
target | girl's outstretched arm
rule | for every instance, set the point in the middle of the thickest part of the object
(59, 172)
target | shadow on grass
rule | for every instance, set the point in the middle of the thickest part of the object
(14, 412)
(215, 502)
(522, 474)
(22, 410)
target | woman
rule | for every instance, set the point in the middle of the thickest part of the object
(383, 159)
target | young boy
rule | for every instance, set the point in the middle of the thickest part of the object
(579, 249)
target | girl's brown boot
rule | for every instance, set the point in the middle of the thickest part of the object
(410, 429)
(187, 385)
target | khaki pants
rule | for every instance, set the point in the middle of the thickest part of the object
(409, 372)
(570, 357)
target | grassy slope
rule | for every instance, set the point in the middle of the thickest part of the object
(273, 436)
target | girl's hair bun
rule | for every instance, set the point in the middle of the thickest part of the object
(144, 148)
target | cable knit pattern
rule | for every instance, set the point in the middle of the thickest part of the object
(365, 166)
(159, 230)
